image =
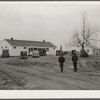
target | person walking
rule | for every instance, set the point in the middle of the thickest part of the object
(74, 60)
(61, 60)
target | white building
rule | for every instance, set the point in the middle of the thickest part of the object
(14, 47)
(92, 50)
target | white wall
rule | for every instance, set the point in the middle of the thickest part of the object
(90, 50)
(12, 51)
(4, 44)
(52, 51)
(85, 48)
(16, 52)
(79, 48)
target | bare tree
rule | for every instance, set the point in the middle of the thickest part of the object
(86, 35)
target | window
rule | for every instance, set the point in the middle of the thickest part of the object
(1, 47)
(43, 48)
(93, 51)
(32, 49)
(14, 47)
(39, 49)
(24, 47)
(5, 47)
(54, 48)
(35, 49)
(47, 49)
(29, 50)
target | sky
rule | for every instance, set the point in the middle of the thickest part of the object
(49, 21)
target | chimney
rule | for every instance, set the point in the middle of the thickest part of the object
(43, 40)
(11, 38)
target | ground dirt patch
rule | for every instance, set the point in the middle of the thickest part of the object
(9, 82)
(44, 73)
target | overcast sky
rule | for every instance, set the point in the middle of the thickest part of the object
(50, 21)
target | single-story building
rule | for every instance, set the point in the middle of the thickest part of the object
(92, 50)
(14, 47)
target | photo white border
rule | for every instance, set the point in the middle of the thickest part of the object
(40, 94)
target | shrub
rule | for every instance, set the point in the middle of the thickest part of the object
(84, 54)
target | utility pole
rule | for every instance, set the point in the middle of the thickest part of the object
(60, 47)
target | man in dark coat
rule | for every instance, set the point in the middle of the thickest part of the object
(75, 59)
(61, 60)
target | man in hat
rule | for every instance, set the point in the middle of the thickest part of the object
(61, 60)
(74, 60)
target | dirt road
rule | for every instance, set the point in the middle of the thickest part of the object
(34, 77)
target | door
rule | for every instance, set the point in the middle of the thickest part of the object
(5, 53)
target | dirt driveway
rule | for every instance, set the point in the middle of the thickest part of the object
(43, 74)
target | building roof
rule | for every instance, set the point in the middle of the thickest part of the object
(14, 42)
(94, 47)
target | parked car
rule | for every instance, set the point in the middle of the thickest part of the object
(23, 55)
(42, 52)
(30, 54)
(65, 52)
(73, 52)
(57, 52)
(84, 54)
(35, 54)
